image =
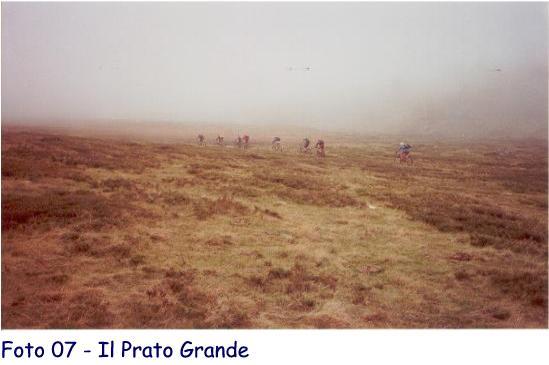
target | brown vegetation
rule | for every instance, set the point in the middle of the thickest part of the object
(99, 233)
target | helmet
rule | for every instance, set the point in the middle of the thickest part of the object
(402, 143)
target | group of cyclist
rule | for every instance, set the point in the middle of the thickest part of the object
(305, 146)
(403, 152)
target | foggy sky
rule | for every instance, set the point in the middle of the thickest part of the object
(427, 68)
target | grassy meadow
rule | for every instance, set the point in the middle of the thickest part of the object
(118, 233)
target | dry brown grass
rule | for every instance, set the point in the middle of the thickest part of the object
(225, 205)
(59, 208)
(454, 196)
(99, 233)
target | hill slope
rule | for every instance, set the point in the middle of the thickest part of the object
(104, 234)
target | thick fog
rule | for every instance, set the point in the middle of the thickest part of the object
(461, 68)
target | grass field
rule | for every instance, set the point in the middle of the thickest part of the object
(98, 233)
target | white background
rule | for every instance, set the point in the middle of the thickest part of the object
(307, 346)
